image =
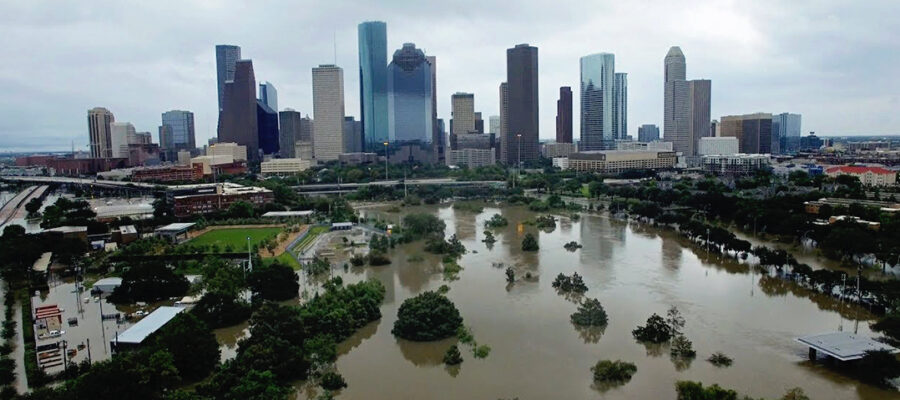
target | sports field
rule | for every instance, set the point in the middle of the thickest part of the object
(236, 237)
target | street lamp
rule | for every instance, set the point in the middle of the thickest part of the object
(385, 161)
(249, 255)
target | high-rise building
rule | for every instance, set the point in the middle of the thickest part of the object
(786, 128)
(494, 124)
(462, 111)
(291, 130)
(598, 76)
(479, 123)
(373, 83)
(753, 132)
(120, 132)
(620, 106)
(648, 133)
(176, 133)
(438, 141)
(268, 95)
(238, 119)
(410, 97)
(686, 105)
(328, 112)
(504, 120)
(226, 57)
(352, 135)
(100, 132)
(267, 128)
(523, 127)
(564, 115)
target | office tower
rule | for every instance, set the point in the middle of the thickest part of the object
(238, 119)
(462, 112)
(523, 122)
(438, 142)
(410, 100)
(479, 123)
(99, 131)
(564, 115)
(713, 128)
(753, 132)
(686, 106)
(267, 128)
(177, 133)
(786, 128)
(648, 133)
(226, 57)
(494, 124)
(620, 106)
(373, 83)
(352, 135)
(328, 112)
(504, 120)
(268, 95)
(597, 102)
(288, 132)
(120, 132)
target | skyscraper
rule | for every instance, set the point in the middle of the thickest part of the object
(352, 135)
(238, 119)
(494, 124)
(176, 132)
(597, 102)
(99, 130)
(462, 110)
(620, 106)
(753, 132)
(648, 133)
(288, 132)
(120, 132)
(786, 128)
(267, 128)
(373, 83)
(268, 95)
(328, 112)
(564, 115)
(410, 97)
(686, 106)
(523, 118)
(504, 120)
(226, 57)
(438, 141)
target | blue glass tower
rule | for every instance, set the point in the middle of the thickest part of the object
(373, 83)
(410, 96)
(267, 129)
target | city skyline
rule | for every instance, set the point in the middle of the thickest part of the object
(779, 77)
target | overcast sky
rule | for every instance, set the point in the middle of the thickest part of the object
(835, 62)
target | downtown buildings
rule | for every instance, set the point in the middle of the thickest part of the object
(686, 110)
(519, 106)
(410, 96)
(604, 98)
(564, 115)
(100, 122)
(176, 133)
(753, 132)
(227, 57)
(238, 120)
(786, 128)
(373, 83)
(328, 112)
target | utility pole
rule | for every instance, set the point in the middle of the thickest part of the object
(249, 255)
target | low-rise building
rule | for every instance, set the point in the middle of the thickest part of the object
(614, 161)
(655, 145)
(203, 199)
(869, 176)
(303, 150)
(734, 164)
(283, 166)
(561, 162)
(471, 157)
(235, 151)
(555, 150)
(718, 146)
(357, 158)
(168, 173)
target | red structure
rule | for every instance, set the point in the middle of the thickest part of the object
(208, 199)
(174, 173)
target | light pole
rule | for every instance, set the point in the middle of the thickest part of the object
(249, 255)
(385, 161)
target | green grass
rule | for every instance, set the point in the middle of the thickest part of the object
(314, 232)
(286, 259)
(236, 237)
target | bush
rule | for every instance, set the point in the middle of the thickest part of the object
(719, 359)
(422, 225)
(613, 371)
(357, 260)
(275, 281)
(590, 313)
(452, 356)
(568, 284)
(688, 390)
(572, 246)
(530, 243)
(481, 351)
(426, 317)
(656, 330)
(377, 258)
(682, 348)
(496, 221)
(332, 381)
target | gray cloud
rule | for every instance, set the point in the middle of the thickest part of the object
(834, 62)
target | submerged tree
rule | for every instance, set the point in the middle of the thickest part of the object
(428, 316)
(590, 313)
(613, 371)
(655, 331)
(682, 348)
(452, 356)
(530, 243)
(510, 275)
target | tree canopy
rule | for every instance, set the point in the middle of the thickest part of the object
(426, 317)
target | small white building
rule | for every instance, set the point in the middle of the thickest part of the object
(725, 146)
(284, 166)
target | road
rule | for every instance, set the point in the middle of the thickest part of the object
(330, 187)
(15, 207)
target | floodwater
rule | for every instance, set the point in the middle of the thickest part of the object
(634, 270)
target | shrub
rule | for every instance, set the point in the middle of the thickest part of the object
(613, 371)
(452, 356)
(656, 330)
(719, 359)
(530, 243)
(332, 381)
(590, 313)
(567, 284)
(377, 258)
(682, 347)
(426, 317)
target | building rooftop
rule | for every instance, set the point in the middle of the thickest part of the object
(68, 229)
(109, 282)
(147, 326)
(176, 227)
(858, 170)
(276, 214)
(128, 230)
(844, 346)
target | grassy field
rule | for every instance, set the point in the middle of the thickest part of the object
(286, 259)
(314, 231)
(235, 237)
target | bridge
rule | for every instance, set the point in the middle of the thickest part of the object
(139, 186)
(333, 188)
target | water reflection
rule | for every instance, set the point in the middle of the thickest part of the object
(425, 354)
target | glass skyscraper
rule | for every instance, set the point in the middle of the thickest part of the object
(597, 102)
(786, 131)
(410, 97)
(373, 83)
(226, 57)
(176, 132)
(268, 95)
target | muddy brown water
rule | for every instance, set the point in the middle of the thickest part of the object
(536, 353)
